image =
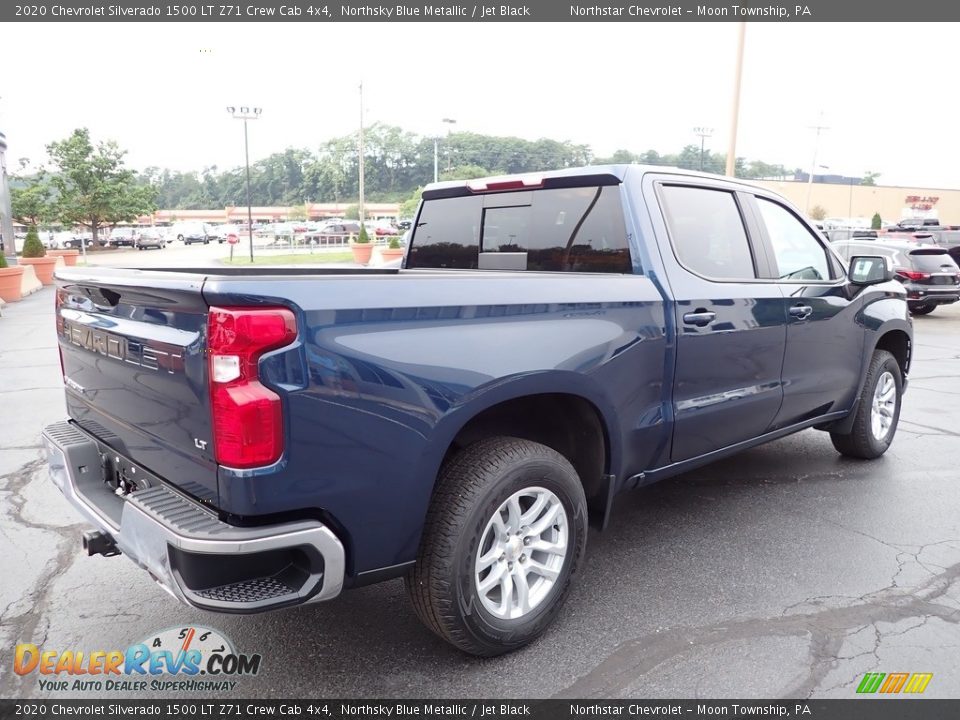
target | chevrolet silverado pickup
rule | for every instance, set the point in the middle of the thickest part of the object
(258, 439)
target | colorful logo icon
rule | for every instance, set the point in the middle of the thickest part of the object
(892, 683)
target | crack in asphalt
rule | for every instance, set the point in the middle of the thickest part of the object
(33, 604)
(937, 430)
(827, 629)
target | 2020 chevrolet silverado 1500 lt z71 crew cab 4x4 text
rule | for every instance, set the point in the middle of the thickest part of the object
(261, 439)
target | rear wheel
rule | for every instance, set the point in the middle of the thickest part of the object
(921, 308)
(878, 411)
(503, 537)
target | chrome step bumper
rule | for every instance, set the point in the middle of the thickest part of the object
(174, 538)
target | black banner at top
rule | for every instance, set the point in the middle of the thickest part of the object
(281, 11)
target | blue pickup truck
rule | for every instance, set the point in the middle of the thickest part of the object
(258, 439)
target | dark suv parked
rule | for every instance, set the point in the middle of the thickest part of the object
(928, 272)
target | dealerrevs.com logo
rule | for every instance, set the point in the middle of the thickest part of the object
(185, 658)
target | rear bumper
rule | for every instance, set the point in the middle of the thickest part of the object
(189, 551)
(933, 295)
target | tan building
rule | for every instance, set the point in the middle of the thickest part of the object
(893, 203)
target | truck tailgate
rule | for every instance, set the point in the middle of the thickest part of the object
(132, 347)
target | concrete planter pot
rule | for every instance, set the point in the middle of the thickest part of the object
(391, 254)
(10, 279)
(69, 256)
(361, 252)
(44, 267)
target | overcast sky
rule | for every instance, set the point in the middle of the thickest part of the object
(888, 92)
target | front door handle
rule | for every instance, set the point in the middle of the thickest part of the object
(700, 318)
(801, 312)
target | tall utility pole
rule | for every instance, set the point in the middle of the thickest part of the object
(704, 133)
(247, 113)
(813, 164)
(360, 205)
(735, 112)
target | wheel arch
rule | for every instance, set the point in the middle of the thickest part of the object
(565, 411)
(898, 342)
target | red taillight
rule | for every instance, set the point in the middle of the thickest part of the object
(505, 183)
(247, 417)
(913, 274)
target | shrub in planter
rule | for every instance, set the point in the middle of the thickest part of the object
(32, 247)
(35, 254)
(361, 248)
(10, 279)
(393, 250)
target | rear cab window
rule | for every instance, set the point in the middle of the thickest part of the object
(707, 232)
(562, 229)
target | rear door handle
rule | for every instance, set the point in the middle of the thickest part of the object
(699, 318)
(801, 312)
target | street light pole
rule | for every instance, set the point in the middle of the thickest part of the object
(450, 122)
(813, 164)
(703, 132)
(247, 113)
(436, 150)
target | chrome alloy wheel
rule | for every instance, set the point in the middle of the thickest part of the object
(521, 553)
(884, 405)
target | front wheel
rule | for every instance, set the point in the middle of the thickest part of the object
(503, 537)
(878, 411)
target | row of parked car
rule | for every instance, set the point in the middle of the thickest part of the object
(190, 233)
(926, 260)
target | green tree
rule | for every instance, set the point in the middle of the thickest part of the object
(30, 205)
(409, 206)
(870, 178)
(93, 187)
(876, 221)
(465, 172)
(352, 212)
(297, 212)
(363, 238)
(32, 247)
(817, 212)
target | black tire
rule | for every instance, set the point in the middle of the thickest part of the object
(921, 308)
(861, 442)
(471, 488)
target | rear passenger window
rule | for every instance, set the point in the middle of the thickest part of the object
(707, 232)
(797, 254)
(579, 229)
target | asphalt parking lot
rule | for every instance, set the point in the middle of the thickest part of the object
(786, 571)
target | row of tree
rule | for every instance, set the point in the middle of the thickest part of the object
(397, 162)
(90, 185)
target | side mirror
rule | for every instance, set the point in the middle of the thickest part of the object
(870, 269)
